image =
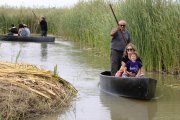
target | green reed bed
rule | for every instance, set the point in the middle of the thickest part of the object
(29, 16)
(154, 26)
(88, 22)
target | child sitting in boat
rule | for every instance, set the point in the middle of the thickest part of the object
(129, 50)
(133, 67)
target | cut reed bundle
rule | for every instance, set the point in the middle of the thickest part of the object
(27, 90)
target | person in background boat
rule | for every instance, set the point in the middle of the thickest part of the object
(43, 25)
(129, 50)
(13, 30)
(22, 31)
(10, 33)
(27, 30)
(120, 38)
(133, 67)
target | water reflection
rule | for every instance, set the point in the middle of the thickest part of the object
(82, 68)
(128, 109)
(44, 52)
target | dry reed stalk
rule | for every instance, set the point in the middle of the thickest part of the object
(27, 90)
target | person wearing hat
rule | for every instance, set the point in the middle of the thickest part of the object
(27, 30)
(43, 25)
(13, 30)
(22, 31)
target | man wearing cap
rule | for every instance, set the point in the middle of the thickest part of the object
(43, 25)
(120, 38)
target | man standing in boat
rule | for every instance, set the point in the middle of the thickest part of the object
(120, 38)
(43, 25)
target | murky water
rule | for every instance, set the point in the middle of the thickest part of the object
(82, 68)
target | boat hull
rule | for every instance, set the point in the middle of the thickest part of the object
(139, 88)
(28, 39)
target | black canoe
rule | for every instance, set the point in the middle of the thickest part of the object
(139, 88)
(27, 39)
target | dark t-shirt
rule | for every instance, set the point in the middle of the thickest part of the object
(125, 59)
(133, 66)
(43, 25)
(14, 30)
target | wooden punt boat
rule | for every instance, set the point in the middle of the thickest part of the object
(139, 88)
(27, 39)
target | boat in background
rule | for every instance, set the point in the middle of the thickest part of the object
(133, 87)
(27, 39)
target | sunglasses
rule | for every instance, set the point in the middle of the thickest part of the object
(130, 49)
(122, 25)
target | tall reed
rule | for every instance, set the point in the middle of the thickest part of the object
(154, 27)
(153, 24)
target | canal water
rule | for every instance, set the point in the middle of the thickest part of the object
(81, 67)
